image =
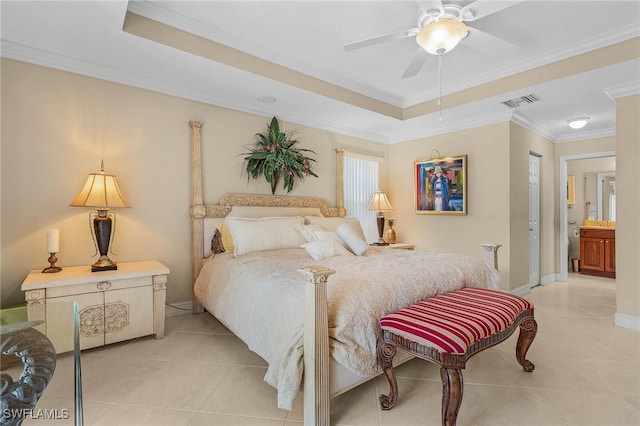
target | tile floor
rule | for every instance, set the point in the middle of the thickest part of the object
(587, 373)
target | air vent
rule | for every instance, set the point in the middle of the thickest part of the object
(526, 99)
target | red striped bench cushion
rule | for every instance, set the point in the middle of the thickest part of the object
(452, 322)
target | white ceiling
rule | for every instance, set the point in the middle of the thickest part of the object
(307, 36)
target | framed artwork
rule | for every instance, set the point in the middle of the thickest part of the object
(441, 185)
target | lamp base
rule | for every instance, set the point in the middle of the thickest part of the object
(104, 264)
(380, 244)
(95, 268)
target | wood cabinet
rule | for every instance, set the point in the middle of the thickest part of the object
(113, 305)
(598, 251)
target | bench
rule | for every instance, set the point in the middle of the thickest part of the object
(450, 328)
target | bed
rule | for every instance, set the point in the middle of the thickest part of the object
(309, 317)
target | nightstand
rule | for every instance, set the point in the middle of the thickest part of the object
(114, 305)
(402, 246)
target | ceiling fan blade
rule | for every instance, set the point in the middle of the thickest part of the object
(380, 39)
(481, 8)
(417, 62)
(485, 42)
(429, 5)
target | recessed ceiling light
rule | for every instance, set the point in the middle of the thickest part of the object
(578, 122)
(266, 99)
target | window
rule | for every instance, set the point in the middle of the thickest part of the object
(361, 173)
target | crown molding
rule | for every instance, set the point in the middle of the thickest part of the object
(534, 127)
(622, 90)
(446, 127)
(594, 134)
(620, 35)
(28, 54)
(156, 12)
(16, 51)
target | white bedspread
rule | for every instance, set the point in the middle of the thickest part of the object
(260, 297)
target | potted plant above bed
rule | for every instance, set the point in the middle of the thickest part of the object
(275, 156)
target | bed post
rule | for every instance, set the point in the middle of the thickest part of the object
(491, 253)
(197, 210)
(316, 347)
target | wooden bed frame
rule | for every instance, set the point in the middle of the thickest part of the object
(317, 372)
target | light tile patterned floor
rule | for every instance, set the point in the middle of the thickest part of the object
(587, 373)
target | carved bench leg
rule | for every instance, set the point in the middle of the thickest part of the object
(528, 330)
(386, 353)
(452, 387)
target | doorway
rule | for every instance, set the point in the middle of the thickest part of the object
(563, 252)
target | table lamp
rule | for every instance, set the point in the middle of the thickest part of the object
(380, 203)
(101, 192)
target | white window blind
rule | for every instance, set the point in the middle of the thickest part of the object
(360, 183)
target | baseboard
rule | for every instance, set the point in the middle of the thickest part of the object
(627, 321)
(521, 291)
(549, 279)
(178, 308)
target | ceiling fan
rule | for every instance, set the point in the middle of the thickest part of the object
(440, 27)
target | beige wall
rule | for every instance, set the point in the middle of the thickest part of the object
(522, 143)
(628, 211)
(497, 196)
(57, 126)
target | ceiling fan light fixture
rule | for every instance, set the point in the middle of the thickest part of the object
(441, 36)
(578, 122)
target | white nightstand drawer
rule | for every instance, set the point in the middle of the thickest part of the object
(97, 286)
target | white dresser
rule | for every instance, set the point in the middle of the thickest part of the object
(113, 305)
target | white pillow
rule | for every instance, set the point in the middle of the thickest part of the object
(329, 236)
(357, 245)
(307, 231)
(332, 223)
(323, 249)
(266, 233)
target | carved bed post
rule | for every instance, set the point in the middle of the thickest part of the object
(197, 210)
(340, 182)
(316, 347)
(491, 253)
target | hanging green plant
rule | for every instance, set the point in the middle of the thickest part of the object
(275, 156)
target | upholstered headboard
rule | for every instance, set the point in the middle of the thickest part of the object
(297, 206)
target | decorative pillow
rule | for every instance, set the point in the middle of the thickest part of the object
(226, 238)
(323, 249)
(267, 233)
(307, 231)
(358, 246)
(332, 223)
(329, 236)
(217, 246)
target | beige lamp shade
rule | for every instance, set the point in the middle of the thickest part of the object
(441, 36)
(101, 191)
(380, 202)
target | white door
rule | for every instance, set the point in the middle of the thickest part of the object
(534, 220)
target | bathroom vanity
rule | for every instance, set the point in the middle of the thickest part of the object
(598, 251)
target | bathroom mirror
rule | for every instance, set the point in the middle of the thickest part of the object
(600, 187)
(606, 196)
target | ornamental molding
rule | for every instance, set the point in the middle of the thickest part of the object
(226, 203)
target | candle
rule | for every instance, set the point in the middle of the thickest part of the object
(53, 241)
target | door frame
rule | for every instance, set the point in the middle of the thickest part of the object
(535, 257)
(563, 255)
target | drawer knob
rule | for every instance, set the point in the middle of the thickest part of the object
(104, 285)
